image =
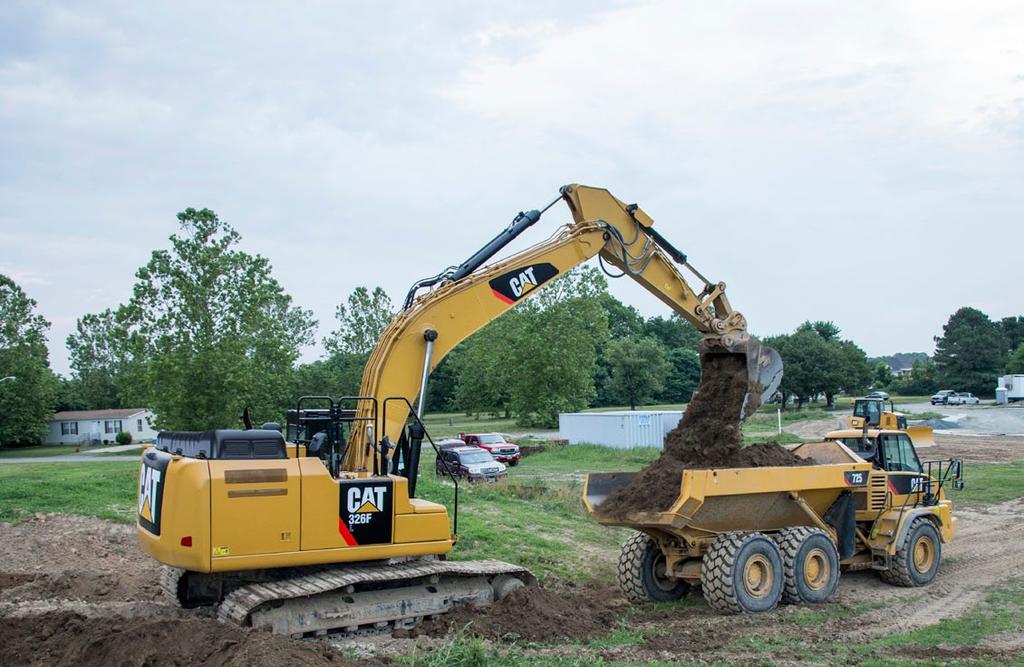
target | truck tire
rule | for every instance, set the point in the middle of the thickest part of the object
(810, 562)
(742, 573)
(641, 572)
(916, 562)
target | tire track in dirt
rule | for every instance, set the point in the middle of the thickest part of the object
(988, 543)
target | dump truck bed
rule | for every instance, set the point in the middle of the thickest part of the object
(739, 499)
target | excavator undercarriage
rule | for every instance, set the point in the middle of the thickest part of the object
(350, 599)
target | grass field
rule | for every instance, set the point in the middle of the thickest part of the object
(37, 451)
(103, 489)
(535, 518)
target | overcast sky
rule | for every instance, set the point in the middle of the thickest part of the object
(855, 162)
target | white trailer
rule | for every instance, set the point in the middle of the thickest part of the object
(621, 429)
(1014, 385)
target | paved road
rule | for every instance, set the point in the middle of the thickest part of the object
(974, 419)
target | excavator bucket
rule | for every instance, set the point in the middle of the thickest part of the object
(921, 436)
(763, 366)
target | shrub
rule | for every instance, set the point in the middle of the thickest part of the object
(124, 438)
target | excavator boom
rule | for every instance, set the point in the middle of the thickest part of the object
(465, 298)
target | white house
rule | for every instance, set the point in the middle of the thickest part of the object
(73, 427)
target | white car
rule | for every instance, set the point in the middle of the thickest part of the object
(961, 398)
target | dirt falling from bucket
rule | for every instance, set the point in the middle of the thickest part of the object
(708, 436)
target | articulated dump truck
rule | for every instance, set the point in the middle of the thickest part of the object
(754, 537)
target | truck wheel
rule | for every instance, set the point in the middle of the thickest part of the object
(917, 562)
(514, 462)
(742, 573)
(810, 562)
(641, 572)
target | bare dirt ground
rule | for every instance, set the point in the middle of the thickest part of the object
(977, 449)
(78, 591)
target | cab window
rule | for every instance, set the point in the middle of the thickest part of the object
(859, 445)
(871, 411)
(899, 454)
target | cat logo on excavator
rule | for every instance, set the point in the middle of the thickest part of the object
(517, 283)
(366, 509)
(150, 498)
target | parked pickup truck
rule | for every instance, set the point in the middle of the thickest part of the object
(942, 396)
(503, 451)
(471, 463)
(961, 398)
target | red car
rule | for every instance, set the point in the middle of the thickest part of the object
(503, 451)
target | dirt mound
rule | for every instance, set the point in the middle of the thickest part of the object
(708, 436)
(538, 614)
(68, 638)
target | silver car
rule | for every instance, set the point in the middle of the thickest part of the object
(962, 398)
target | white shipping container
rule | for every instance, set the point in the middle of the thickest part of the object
(621, 429)
(1014, 386)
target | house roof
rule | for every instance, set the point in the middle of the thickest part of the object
(77, 415)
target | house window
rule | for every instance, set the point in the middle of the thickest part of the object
(69, 428)
(138, 425)
(112, 426)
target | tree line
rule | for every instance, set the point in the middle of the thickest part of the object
(208, 331)
(971, 353)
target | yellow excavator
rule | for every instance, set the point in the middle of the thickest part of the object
(322, 531)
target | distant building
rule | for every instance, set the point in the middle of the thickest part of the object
(904, 372)
(73, 427)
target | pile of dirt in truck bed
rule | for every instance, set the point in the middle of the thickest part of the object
(708, 436)
(538, 614)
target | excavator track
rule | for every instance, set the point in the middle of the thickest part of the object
(351, 599)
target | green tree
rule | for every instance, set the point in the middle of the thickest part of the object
(826, 330)
(683, 376)
(106, 359)
(443, 383)
(557, 339)
(360, 321)
(922, 380)
(623, 320)
(26, 402)
(1013, 329)
(882, 375)
(855, 371)
(336, 375)
(1016, 363)
(804, 356)
(68, 395)
(539, 359)
(638, 368)
(842, 365)
(483, 378)
(220, 332)
(673, 332)
(971, 352)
